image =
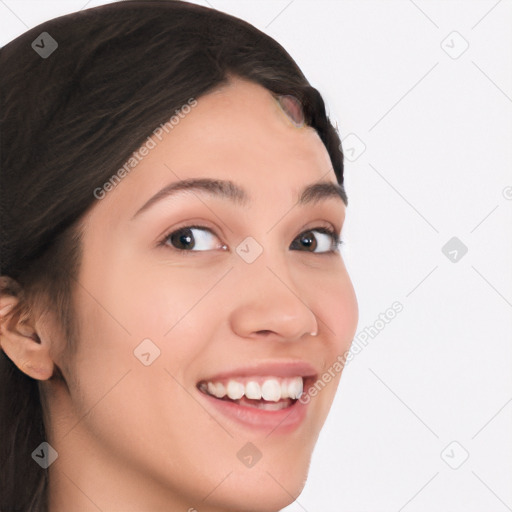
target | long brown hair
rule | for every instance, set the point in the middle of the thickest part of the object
(70, 119)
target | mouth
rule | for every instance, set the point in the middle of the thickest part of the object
(259, 400)
(266, 393)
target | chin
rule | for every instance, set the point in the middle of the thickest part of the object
(259, 492)
(268, 486)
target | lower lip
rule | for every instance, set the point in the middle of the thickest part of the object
(282, 421)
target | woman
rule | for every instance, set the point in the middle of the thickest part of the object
(172, 287)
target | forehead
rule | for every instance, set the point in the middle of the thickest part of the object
(240, 133)
(243, 121)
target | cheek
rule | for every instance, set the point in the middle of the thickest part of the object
(146, 295)
(138, 308)
(336, 307)
(338, 313)
(130, 409)
(177, 308)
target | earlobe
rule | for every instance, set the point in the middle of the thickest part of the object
(21, 343)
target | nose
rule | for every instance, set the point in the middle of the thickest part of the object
(269, 303)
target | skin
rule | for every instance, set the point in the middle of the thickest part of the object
(135, 438)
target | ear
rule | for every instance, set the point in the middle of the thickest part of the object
(19, 337)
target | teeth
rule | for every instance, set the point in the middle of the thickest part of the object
(218, 389)
(235, 390)
(253, 390)
(284, 389)
(295, 388)
(271, 389)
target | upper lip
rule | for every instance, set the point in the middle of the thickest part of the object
(276, 368)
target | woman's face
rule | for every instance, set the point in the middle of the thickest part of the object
(168, 318)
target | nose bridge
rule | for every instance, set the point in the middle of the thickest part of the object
(268, 299)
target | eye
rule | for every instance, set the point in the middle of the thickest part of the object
(184, 239)
(327, 242)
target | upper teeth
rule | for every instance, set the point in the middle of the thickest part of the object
(270, 388)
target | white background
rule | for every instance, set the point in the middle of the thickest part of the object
(437, 163)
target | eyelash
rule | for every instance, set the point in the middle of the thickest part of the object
(336, 241)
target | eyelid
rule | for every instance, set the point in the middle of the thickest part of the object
(191, 223)
(317, 224)
(321, 223)
(162, 242)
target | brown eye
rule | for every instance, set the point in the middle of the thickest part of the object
(327, 242)
(182, 239)
(197, 238)
(308, 240)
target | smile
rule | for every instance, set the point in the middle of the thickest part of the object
(268, 393)
(258, 400)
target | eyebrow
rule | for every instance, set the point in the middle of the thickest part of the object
(226, 189)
